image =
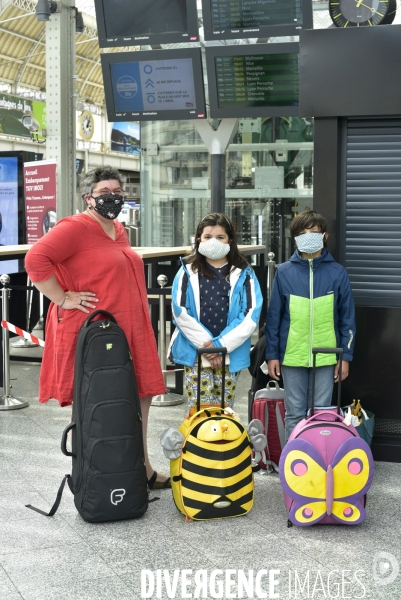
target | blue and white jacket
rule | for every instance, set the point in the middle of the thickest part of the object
(245, 305)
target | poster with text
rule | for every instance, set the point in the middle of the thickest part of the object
(40, 198)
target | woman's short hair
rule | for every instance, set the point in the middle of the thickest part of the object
(92, 177)
(306, 220)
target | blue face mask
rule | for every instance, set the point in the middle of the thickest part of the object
(310, 242)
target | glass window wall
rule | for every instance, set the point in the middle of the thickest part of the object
(269, 179)
(175, 182)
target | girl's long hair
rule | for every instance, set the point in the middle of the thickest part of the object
(234, 257)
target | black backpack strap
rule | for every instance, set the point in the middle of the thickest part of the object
(55, 506)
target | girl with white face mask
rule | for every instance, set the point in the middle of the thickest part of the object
(216, 302)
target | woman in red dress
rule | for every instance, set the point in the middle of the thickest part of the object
(83, 263)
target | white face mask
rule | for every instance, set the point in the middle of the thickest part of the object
(214, 249)
(310, 242)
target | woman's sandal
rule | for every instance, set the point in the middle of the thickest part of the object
(158, 485)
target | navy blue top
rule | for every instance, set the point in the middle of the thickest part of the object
(214, 300)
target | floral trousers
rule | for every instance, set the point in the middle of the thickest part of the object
(210, 386)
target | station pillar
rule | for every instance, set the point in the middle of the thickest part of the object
(217, 138)
(61, 103)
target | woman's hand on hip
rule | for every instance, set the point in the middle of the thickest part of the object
(79, 301)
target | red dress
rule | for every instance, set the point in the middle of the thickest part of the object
(85, 259)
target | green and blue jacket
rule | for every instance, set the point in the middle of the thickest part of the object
(311, 305)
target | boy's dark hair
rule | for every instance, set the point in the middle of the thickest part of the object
(306, 220)
(234, 257)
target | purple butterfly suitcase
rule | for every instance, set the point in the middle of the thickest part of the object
(325, 468)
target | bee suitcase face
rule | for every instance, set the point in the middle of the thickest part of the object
(219, 431)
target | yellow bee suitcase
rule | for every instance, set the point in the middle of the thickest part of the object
(211, 460)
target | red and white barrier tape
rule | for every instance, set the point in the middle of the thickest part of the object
(22, 333)
(36, 340)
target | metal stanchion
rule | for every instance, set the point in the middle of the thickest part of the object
(21, 342)
(7, 401)
(271, 269)
(40, 323)
(167, 399)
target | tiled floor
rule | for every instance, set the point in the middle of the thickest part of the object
(64, 558)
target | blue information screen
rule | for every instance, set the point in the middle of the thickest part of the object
(8, 209)
(155, 85)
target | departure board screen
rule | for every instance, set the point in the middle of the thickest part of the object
(131, 22)
(233, 19)
(154, 85)
(253, 80)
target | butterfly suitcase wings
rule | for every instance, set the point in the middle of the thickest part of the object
(325, 468)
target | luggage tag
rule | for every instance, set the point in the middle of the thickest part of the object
(229, 411)
(264, 368)
(348, 418)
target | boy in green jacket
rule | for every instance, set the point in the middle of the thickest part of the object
(311, 305)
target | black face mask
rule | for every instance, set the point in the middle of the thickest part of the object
(108, 206)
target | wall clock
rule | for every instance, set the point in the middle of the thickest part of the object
(362, 13)
(86, 125)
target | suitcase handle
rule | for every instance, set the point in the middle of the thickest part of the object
(64, 439)
(98, 312)
(328, 417)
(214, 350)
(325, 350)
